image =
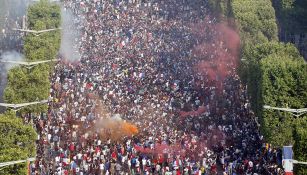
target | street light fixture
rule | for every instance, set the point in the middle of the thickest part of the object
(17, 107)
(28, 65)
(295, 112)
(299, 162)
(36, 32)
(16, 162)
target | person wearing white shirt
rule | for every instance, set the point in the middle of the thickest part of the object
(144, 162)
(101, 166)
(59, 170)
(57, 159)
(137, 164)
(79, 156)
(49, 137)
(85, 167)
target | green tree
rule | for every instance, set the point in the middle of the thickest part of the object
(253, 56)
(17, 140)
(17, 143)
(300, 148)
(43, 47)
(283, 83)
(221, 8)
(255, 19)
(44, 13)
(28, 85)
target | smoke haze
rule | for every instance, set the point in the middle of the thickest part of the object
(219, 55)
(111, 126)
(115, 128)
(70, 40)
(11, 56)
(5, 67)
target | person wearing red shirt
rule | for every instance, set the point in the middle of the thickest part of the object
(213, 169)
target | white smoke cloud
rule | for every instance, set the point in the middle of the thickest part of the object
(11, 56)
(5, 67)
(70, 41)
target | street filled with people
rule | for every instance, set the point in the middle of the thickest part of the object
(156, 91)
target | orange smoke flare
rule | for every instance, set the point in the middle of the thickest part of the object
(130, 128)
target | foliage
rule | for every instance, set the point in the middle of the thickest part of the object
(253, 71)
(220, 7)
(257, 25)
(27, 86)
(42, 47)
(300, 147)
(283, 83)
(256, 19)
(17, 143)
(44, 15)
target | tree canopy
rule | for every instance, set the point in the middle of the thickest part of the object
(17, 143)
(300, 147)
(44, 15)
(283, 83)
(256, 20)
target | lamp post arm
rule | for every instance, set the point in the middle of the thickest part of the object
(15, 162)
(299, 162)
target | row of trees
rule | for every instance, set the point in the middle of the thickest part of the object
(275, 73)
(17, 140)
(27, 85)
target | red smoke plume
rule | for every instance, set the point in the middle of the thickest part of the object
(218, 52)
(217, 49)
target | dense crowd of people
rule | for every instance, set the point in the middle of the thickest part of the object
(139, 64)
